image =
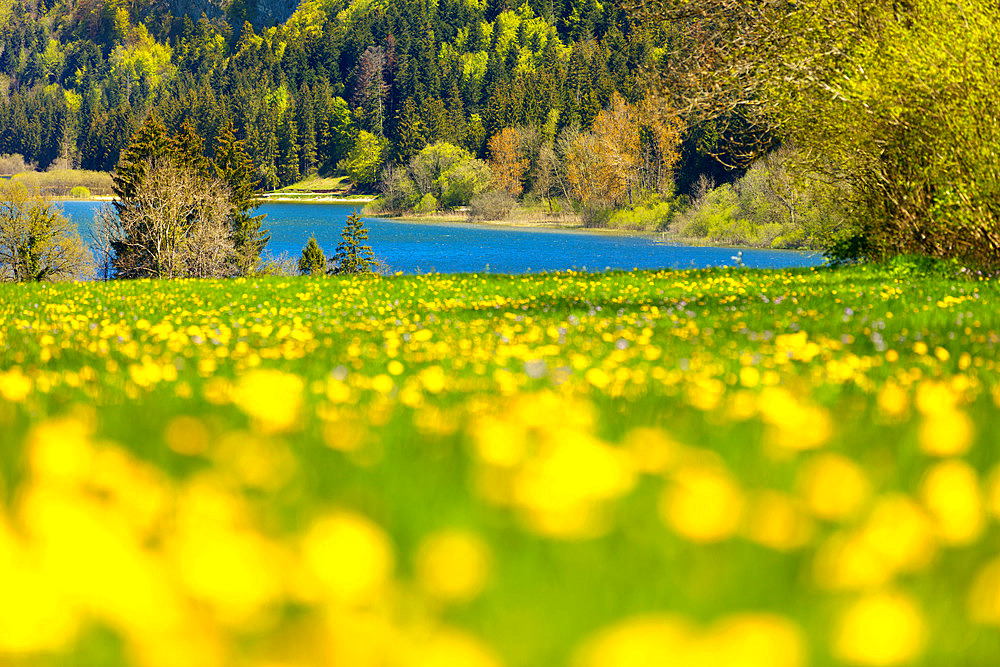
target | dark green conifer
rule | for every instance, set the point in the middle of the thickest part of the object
(313, 261)
(233, 166)
(352, 255)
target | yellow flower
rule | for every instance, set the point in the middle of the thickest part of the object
(453, 565)
(833, 487)
(984, 598)
(946, 433)
(950, 492)
(753, 640)
(777, 521)
(447, 648)
(880, 629)
(349, 556)
(14, 385)
(702, 503)
(641, 641)
(272, 398)
(35, 615)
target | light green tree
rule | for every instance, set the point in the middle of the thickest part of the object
(37, 242)
(364, 160)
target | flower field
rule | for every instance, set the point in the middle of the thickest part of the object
(728, 467)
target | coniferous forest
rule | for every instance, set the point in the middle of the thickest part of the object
(80, 77)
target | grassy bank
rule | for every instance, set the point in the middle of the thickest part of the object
(699, 468)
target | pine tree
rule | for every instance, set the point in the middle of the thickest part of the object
(410, 132)
(288, 147)
(233, 166)
(150, 145)
(313, 261)
(352, 256)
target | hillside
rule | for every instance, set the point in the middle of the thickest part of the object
(77, 78)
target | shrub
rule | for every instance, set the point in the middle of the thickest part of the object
(428, 204)
(653, 216)
(491, 205)
(79, 192)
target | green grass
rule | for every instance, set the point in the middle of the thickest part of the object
(258, 465)
(331, 184)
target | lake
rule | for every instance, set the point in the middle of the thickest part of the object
(425, 247)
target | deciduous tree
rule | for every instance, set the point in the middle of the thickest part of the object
(37, 243)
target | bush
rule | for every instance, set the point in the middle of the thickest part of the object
(428, 204)
(79, 192)
(596, 214)
(491, 205)
(776, 204)
(364, 160)
(653, 216)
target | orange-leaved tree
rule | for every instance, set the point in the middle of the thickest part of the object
(507, 161)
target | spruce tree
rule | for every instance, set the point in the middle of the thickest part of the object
(150, 145)
(352, 256)
(233, 166)
(313, 261)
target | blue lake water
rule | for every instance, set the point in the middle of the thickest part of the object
(467, 248)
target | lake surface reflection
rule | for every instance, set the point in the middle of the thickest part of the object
(466, 248)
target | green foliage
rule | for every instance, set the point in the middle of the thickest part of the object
(37, 243)
(233, 167)
(79, 192)
(443, 174)
(654, 216)
(362, 164)
(888, 98)
(353, 255)
(177, 213)
(777, 203)
(427, 204)
(313, 261)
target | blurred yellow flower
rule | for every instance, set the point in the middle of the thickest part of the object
(453, 565)
(652, 450)
(794, 424)
(35, 614)
(950, 492)
(983, 603)
(702, 503)
(641, 641)
(753, 640)
(885, 628)
(946, 433)
(652, 640)
(271, 397)
(833, 487)
(778, 521)
(561, 489)
(14, 385)
(446, 648)
(351, 557)
(187, 435)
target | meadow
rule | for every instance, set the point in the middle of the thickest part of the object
(626, 469)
